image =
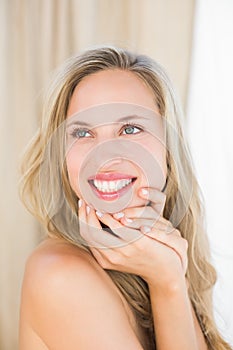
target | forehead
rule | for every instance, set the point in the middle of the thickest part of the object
(111, 86)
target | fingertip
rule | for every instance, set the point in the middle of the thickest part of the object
(118, 215)
(99, 213)
(128, 220)
(144, 192)
(145, 229)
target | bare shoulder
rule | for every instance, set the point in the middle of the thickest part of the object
(58, 259)
(57, 267)
(69, 300)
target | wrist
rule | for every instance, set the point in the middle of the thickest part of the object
(173, 287)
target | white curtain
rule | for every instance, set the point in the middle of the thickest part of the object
(210, 130)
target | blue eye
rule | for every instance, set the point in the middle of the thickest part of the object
(129, 128)
(79, 133)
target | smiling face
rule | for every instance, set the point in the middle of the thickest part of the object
(106, 158)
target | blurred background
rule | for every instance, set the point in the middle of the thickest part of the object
(192, 39)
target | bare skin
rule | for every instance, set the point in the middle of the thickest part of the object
(63, 282)
(68, 300)
(161, 259)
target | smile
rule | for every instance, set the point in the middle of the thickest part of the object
(109, 187)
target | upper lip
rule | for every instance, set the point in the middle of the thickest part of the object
(110, 176)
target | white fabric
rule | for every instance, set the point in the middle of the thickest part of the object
(210, 130)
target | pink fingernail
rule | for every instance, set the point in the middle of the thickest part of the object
(118, 215)
(80, 202)
(146, 229)
(99, 214)
(144, 192)
(128, 220)
(87, 209)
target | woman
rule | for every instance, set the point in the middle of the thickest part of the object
(125, 264)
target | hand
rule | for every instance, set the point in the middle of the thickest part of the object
(148, 245)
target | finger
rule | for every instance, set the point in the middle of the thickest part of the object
(102, 238)
(91, 230)
(147, 212)
(112, 259)
(99, 257)
(137, 223)
(173, 240)
(126, 234)
(92, 219)
(156, 197)
(81, 210)
(85, 231)
(93, 233)
(82, 219)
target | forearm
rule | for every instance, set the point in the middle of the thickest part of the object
(176, 326)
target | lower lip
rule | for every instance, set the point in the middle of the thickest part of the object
(111, 196)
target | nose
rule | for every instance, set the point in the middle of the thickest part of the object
(109, 167)
(106, 132)
(108, 155)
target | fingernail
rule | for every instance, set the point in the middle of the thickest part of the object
(146, 229)
(144, 192)
(87, 209)
(128, 220)
(118, 215)
(99, 214)
(80, 202)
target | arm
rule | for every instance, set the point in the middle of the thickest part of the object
(70, 306)
(175, 320)
(161, 259)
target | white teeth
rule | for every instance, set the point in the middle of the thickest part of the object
(111, 186)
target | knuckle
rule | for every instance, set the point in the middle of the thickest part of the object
(185, 243)
(128, 251)
(103, 263)
(165, 221)
(140, 244)
(168, 229)
(177, 232)
(172, 230)
(115, 258)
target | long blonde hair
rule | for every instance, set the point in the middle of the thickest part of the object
(182, 189)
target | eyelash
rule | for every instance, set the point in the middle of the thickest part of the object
(125, 126)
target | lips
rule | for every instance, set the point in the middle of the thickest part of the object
(110, 186)
(110, 176)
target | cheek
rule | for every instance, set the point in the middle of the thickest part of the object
(73, 163)
(158, 151)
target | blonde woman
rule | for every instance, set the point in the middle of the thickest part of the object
(125, 263)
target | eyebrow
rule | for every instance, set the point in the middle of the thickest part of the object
(130, 117)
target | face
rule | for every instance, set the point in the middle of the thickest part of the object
(106, 158)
